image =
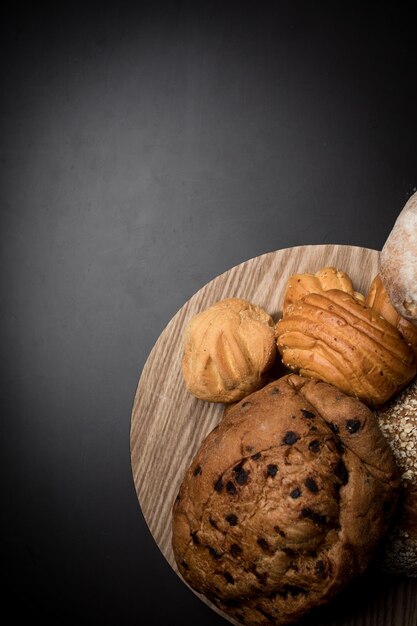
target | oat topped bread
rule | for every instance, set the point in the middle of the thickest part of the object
(285, 501)
(398, 422)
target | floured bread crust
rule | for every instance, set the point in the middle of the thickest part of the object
(398, 262)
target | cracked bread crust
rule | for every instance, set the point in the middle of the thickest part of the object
(285, 502)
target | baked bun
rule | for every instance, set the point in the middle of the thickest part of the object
(285, 501)
(398, 262)
(378, 299)
(227, 350)
(325, 279)
(398, 422)
(335, 338)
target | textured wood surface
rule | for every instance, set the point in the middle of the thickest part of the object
(168, 424)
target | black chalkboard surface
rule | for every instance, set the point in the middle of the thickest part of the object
(146, 149)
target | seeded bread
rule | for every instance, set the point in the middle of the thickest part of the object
(285, 502)
(398, 422)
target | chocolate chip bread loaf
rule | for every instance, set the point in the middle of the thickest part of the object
(285, 502)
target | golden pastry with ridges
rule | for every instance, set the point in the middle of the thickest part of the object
(228, 347)
(326, 278)
(335, 338)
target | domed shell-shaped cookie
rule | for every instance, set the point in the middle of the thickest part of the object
(227, 349)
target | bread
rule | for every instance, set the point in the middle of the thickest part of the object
(398, 422)
(335, 338)
(398, 262)
(378, 299)
(227, 350)
(299, 285)
(285, 501)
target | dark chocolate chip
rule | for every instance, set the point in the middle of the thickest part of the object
(352, 426)
(293, 590)
(197, 470)
(213, 523)
(235, 550)
(218, 485)
(295, 493)
(314, 445)
(268, 616)
(290, 437)
(341, 472)
(241, 476)
(315, 517)
(185, 565)
(311, 484)
(229, 578)
(320, 569)
(308, 414)
(274, 391)
(230, 488)
(231, 519)
(271, 469)
(263, 544)
(334, 427)
(195, 539)
(261, 576)
(256, 456)
(214, 553)
(279, 531)
(340, 447)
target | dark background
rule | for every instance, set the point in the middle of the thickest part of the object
(146, 148)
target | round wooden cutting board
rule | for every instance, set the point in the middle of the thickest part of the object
(168, 424)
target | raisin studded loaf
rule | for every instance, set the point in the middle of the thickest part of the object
(285, 502)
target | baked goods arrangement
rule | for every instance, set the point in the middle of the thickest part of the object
(310, 474)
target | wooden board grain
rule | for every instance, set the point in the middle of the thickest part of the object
(168, 424)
